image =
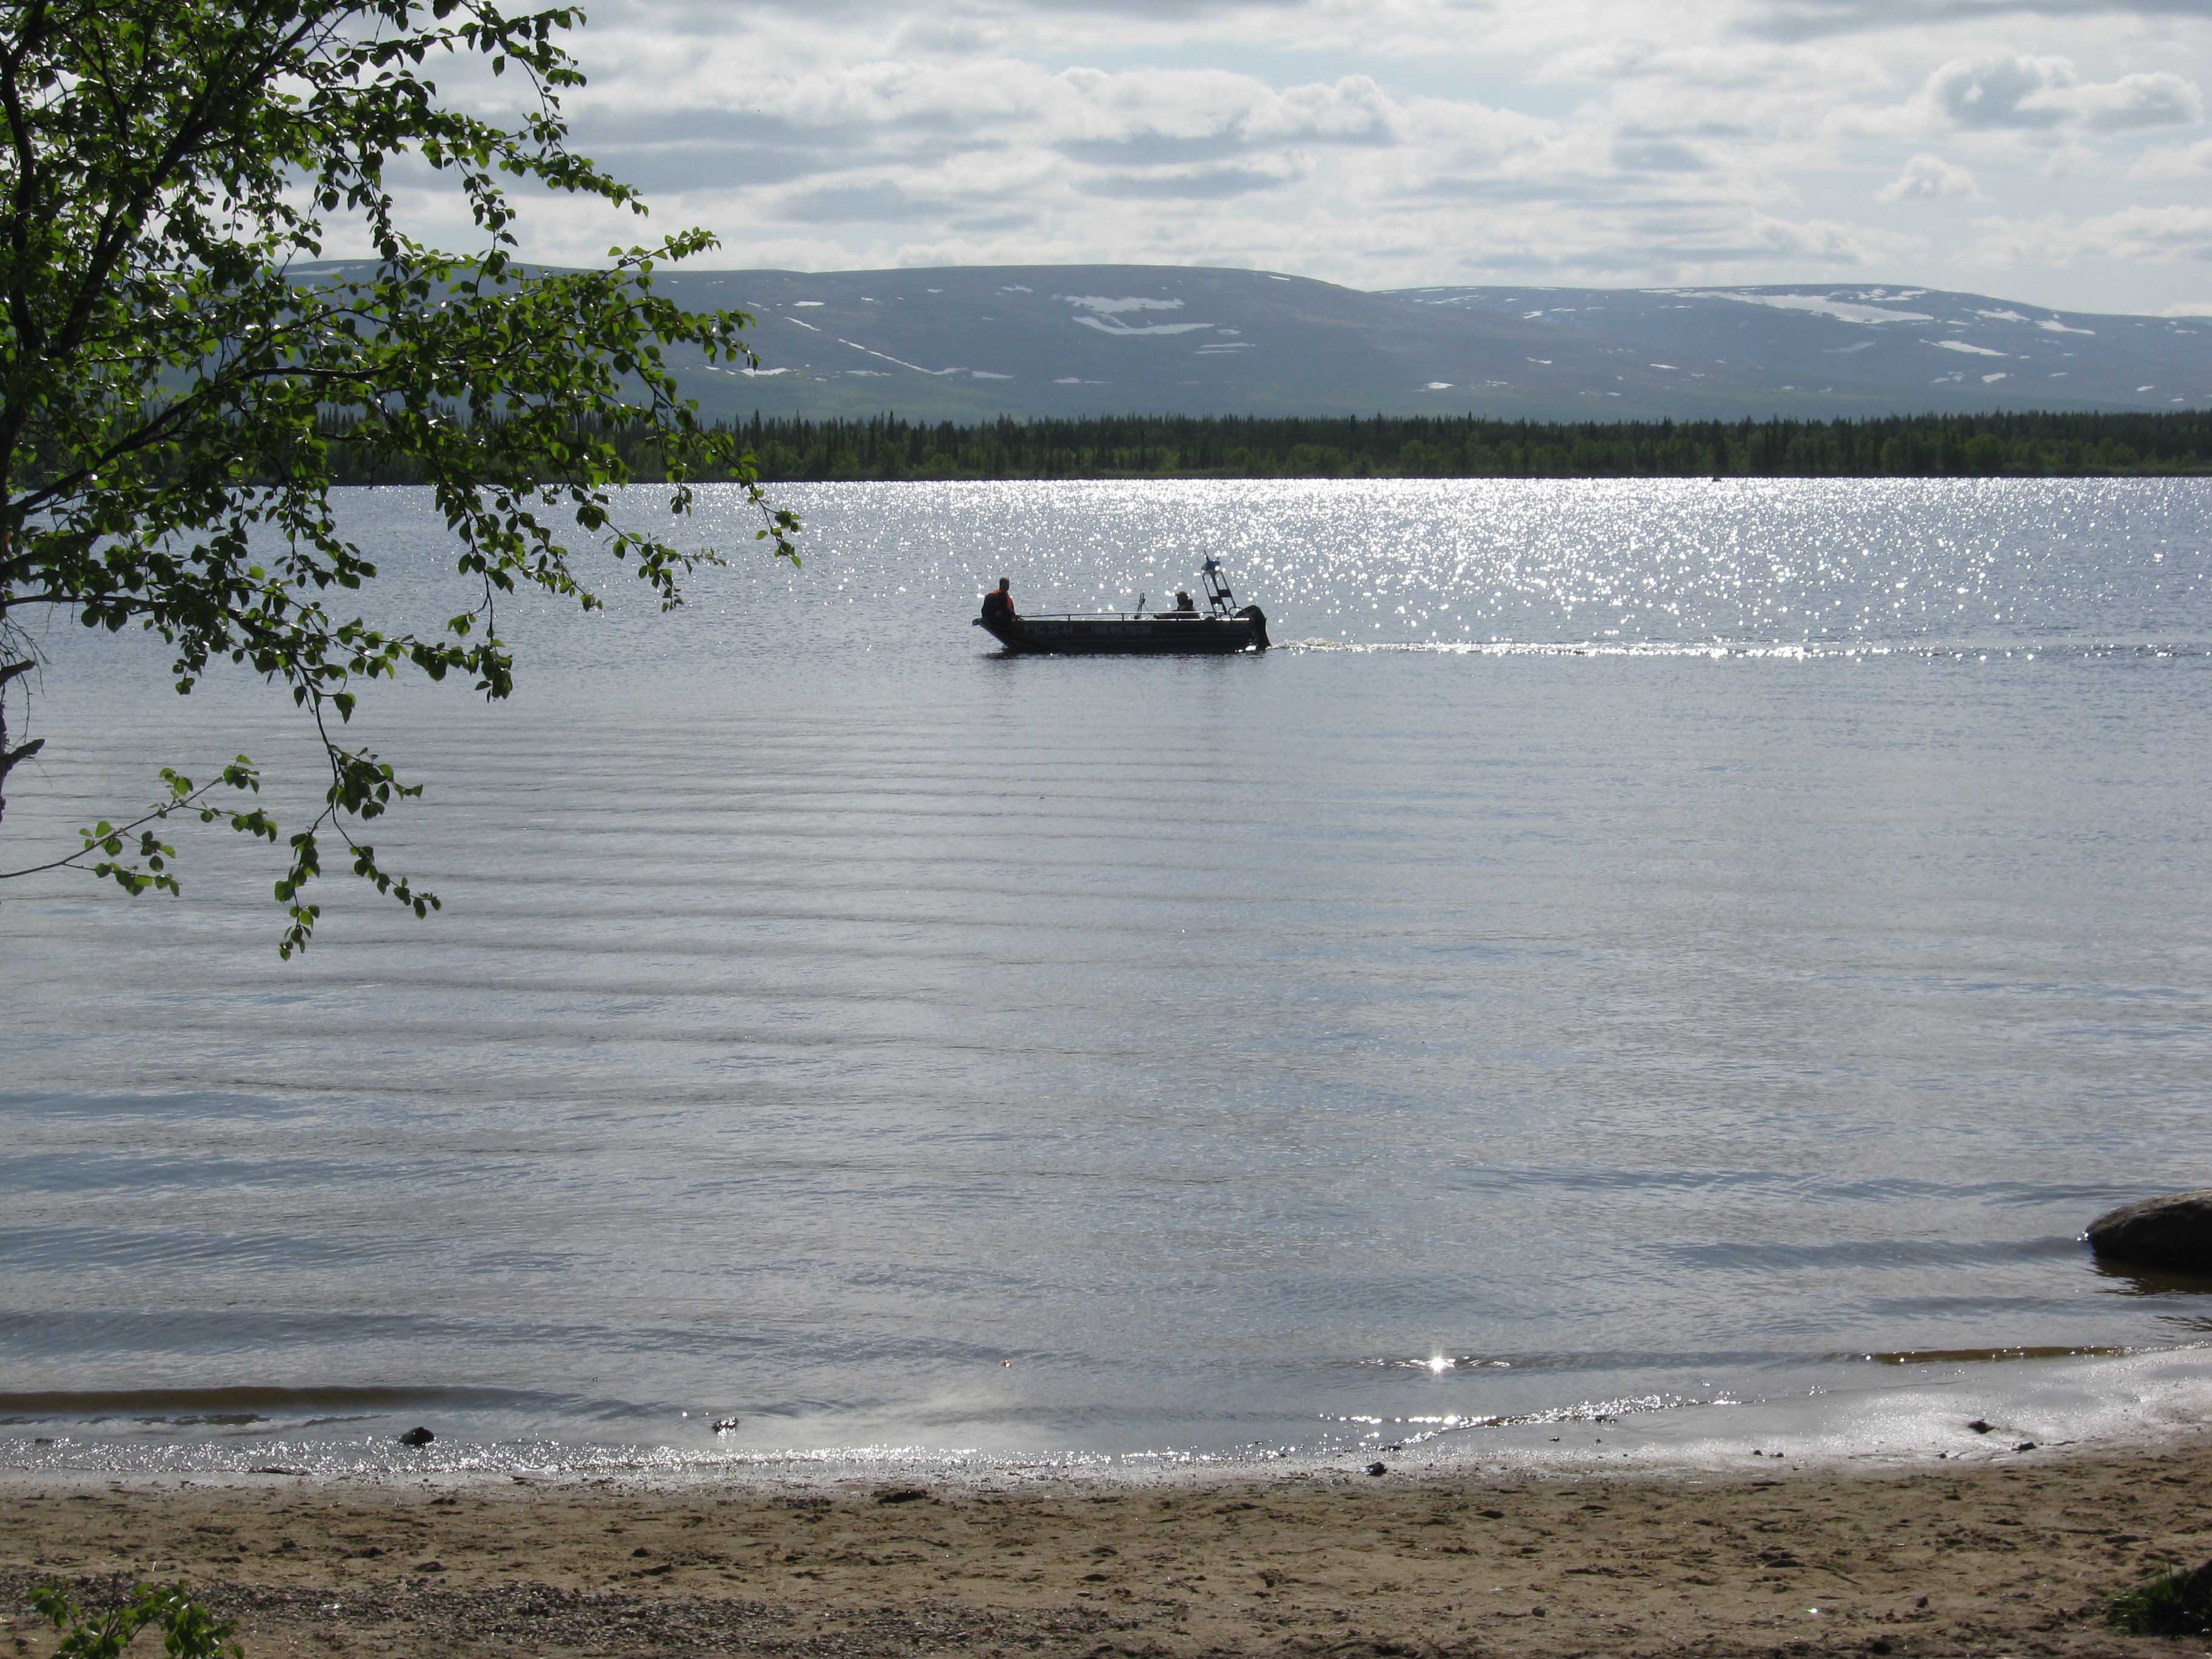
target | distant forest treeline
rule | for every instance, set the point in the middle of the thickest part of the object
(794, 450)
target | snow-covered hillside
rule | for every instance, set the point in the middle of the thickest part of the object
(1862, 349)
(967, 344)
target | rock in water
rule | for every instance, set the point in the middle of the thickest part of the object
(2173, 1232)
(417, 1436)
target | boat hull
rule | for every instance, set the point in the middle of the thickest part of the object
(1128, 635)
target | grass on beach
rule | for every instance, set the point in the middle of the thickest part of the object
(2178, 1602)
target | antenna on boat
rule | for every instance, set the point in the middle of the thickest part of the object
(1217, 596)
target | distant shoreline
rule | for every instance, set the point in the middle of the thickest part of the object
(888, 447)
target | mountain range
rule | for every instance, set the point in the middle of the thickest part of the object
(968, 344)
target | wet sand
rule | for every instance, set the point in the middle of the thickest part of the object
(2012, 1553)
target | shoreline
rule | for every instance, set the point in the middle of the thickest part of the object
(1969, 1406)
(2021, 1550)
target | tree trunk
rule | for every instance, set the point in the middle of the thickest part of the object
(8, 672)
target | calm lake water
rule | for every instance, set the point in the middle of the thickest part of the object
(1634, 945)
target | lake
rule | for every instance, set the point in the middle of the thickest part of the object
(1632, 945)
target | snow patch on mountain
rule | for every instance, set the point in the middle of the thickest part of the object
(1844, 311)
(1104, 315)
(901, 361)
(1117, 326)
(1104, 307)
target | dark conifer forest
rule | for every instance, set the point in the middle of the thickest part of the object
(1991, 446)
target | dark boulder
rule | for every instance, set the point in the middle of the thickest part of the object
(416, 1437)
(2174, 1233)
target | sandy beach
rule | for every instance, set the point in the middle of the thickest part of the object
(2012, 1553)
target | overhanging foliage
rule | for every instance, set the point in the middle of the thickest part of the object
(167, 376)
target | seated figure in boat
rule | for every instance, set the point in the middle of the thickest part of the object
(999, 603)
(1184, 606)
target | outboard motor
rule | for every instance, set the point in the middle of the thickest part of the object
(1218, 600)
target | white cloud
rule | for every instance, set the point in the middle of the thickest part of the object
(2161, 99)
(2005, 92)
(1214, 110)
(2153, 235)
(2030, 96)
(1729, 66)
(2174, 162)
(1727, 143)
(1804, 20)
(1926, 177)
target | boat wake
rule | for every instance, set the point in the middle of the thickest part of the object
(1796, 651)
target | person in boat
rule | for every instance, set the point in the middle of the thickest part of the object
(999, 603)
(1184, 606)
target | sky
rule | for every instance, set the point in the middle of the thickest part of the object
(2056, 153)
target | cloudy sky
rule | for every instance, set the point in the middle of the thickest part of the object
(2056, 153)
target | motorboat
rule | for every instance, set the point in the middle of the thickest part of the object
(1222, 627)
